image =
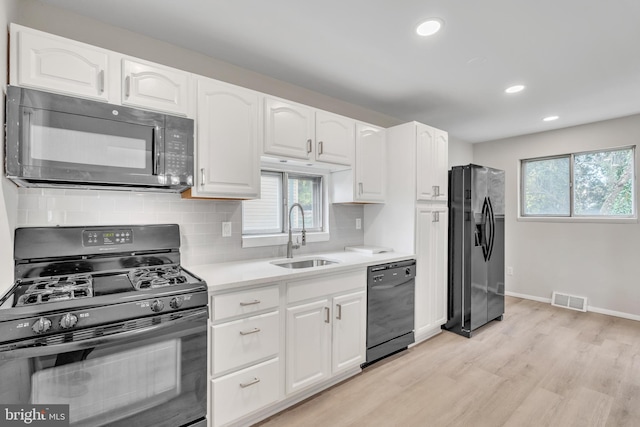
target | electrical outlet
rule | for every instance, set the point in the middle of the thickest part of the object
(226, 229)
(509, 271)
(358, 223)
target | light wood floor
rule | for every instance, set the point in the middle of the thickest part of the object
(541, 366)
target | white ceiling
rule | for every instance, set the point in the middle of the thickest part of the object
(579, 59)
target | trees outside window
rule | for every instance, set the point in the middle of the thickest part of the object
(589, 184)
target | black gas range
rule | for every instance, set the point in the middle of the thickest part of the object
(84, 297)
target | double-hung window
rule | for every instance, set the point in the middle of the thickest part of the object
(594, 184)
(279, 192)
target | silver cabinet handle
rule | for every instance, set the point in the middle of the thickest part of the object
(255, 380)
(339, 310)
(326, 312)
(249, 332)
(433, 216)
(309, 146)
(202, 177)
(320, 150)
(101, 81)
(254, 302)
(127, 86)
(360, 188)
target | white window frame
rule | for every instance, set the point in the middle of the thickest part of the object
(572, 217)
(274, 239)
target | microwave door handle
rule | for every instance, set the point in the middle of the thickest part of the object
(136, 334)
(27, 117)
(155, 152)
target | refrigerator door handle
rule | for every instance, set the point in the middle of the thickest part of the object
(492, 222)
(485, 229)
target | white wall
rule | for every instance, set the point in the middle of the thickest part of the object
(8, 192)
(460, 152)
(598, 260)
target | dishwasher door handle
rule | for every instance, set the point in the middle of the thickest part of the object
(391, 286)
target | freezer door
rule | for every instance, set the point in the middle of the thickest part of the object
(479, 246)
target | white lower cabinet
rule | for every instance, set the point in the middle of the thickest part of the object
(245, 364)
(244, 341)
(273, 345)
(431, 273)
(326, 333)
(308, 344)
(244, 391)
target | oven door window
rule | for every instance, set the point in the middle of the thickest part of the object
(70, 141)
(153, 378)
(100, 387)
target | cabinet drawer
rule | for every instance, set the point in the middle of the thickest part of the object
(245, 302)
(242, 392)
(244, 341)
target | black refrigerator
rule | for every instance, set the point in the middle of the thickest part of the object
(476, 248)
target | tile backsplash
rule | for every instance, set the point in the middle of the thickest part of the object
(200, 220)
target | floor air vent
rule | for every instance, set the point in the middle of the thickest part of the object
(569, 301)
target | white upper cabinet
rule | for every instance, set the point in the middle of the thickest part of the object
(155, 87)
(335, 136)
(300, 132)
(289, 129)
(432, 148)
(366, 182)
(371, 177)
(228, 138)
(43, 61)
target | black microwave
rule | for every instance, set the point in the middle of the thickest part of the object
(61, 141)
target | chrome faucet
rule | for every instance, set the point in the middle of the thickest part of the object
(290, 245)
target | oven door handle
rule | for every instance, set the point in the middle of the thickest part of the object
(37, 351)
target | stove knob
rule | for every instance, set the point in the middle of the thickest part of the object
(176, 302)
(41, 325)
(68, 321)
(157, 305)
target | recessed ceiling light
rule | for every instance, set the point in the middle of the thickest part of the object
(550, 118)
(514, 89)
(429, 27)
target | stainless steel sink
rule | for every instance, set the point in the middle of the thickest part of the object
(305, 263)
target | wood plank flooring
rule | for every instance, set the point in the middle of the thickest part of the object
(541, 366)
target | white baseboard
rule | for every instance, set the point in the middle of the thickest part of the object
(531, 297)
(590, 308)
(614, 313)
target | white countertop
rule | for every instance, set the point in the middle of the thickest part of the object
(229, 275)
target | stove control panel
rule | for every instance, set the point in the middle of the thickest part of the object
(119, 236)
(38, 326)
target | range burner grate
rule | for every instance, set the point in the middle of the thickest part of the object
(57, 289)
(149, 278)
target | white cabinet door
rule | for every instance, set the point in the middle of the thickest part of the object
(45, 61)
(155, 87)
(335, 138)
(370, 175)
(308, 344)
(228, 139)
(431, 163)
(289, 129)
(349, 331)
(431, 274)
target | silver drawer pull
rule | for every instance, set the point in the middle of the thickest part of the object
(252, 382)
(255, 301)
(252, 331)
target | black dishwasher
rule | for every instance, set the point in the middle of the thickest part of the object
(390, 308)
